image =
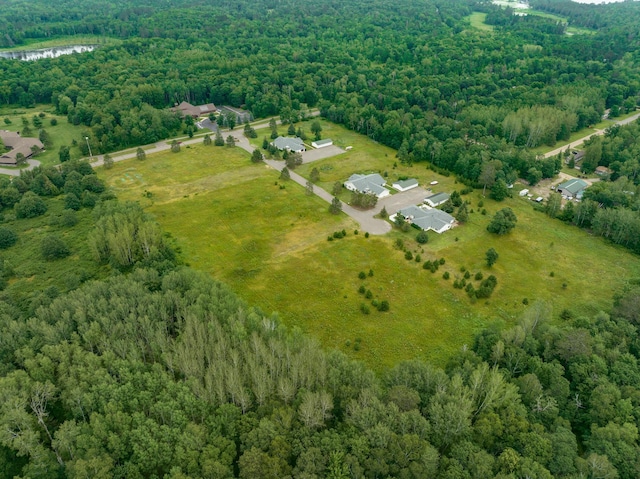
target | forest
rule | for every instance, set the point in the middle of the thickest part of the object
(141, 367)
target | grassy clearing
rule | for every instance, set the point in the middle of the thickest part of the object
(63, 41)
(61, 134)
(269, 244)
(31, 273)
(477, 20)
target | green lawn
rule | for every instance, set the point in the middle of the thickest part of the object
(232, 219)
(61, 134)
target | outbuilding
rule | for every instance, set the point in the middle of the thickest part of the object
(572, 188)
(322, 143)
(405, 185)
(437, 199)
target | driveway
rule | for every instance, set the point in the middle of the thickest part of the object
(395, 203)
(321, 153)
(13, 172)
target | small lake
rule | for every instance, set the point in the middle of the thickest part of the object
(53, 52)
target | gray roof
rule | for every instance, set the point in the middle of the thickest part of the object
(288, 143)
(573, 186)
(368, 183)
(438, 198)
(427, 219)
(17, 144)
(326, 141)
(406, 183)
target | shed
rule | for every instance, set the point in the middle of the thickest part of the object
(322, 143)
(437, 199)
(404, 185)
(524, 192)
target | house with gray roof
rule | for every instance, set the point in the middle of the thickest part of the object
(16, 145)
(287, 143)
(373, 183)
(404, 185)
(427, 218)
(437, 199)
(572, 188)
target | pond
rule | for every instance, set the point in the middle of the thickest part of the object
(53, 52)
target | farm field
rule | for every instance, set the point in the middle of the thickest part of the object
(234, 220)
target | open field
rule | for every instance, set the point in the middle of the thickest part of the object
(232, 220)
(62, 41)
(61, 134)
(477, 20)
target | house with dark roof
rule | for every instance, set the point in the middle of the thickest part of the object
(16, 145)
(603, 170)
(572, 188)
(187, 109)
(436, 199)
(404, 185)
(426, 218)
(288, 143)
(373, 183)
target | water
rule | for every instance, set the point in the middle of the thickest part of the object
(31, 55)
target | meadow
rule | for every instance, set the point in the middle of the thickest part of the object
(268, 241)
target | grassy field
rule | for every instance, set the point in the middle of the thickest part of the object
(31, 273)
(35, 44)
(61, 134)
(234, 220)
(476, 19)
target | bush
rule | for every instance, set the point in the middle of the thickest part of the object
(366, 235)
(442, 261)
(362, 275)
(53, 247)
(365, 310)
(383, 305)
(69, 218)
(368, 294)
(30, 206)
(467, 275)
(418, 258)
(445, 275)
(72, 202)
(422, 237)
(370, 272)
(361, 289)
(478, 276)
(7, 237)
(427, 265)
(408, 256)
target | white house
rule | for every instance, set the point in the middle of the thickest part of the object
(524, 192)
(404, 185)
(373, 183)
(437, 199)
(294, 144)
(322, 143)
(427, 218)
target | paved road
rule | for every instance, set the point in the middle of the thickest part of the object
(579, 142)
(11, 172)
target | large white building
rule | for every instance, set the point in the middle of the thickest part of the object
(373, 184)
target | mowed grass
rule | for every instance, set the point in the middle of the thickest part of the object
(232, 220)
(63, 133)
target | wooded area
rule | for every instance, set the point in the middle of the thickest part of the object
(159, 371)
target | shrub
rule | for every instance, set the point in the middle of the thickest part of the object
(365, 310)
(427, 265)
(370, 272)
(366, 235)
(362, 275)
(53, 247)
(445, 275)
(525, 301)
(30, 206)
(467, 275)
(422, 237)
(442, 261)
(361, 289)
(418, 258)
(72, 202)
(368, 294)
(7, 237)
(478, 276)
(69, 218)
(383, 305)
(408, 256)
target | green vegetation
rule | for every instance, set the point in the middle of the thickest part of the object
(476, 19)
(226, 200)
